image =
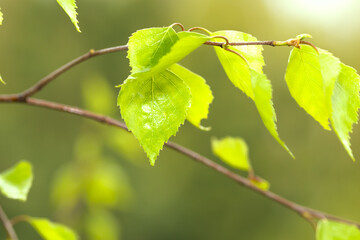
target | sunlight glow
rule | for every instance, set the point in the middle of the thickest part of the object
(312, 10)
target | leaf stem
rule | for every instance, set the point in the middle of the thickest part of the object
(178, 24)
(201, 29)
(7, 225)
(20, 218)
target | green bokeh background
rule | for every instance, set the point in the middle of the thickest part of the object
(179, 198)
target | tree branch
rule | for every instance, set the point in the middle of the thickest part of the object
(7, 225)
(307, 213)
(43, 82)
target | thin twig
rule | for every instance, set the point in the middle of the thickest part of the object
(306, 213)
(43, 82)
(7, 225)
(219, 44)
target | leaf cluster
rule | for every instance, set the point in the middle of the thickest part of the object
(159, 94)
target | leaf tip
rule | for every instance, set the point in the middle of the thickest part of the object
(207, 129)
(152, 160)
(2, 81)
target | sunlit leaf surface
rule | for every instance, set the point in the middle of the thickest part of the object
(201, 94)
(69, 7)
(305, 83)
(154, 108)
(329, 230)
(52, 231)
(15, 183)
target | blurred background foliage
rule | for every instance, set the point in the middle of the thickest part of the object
(96, 179)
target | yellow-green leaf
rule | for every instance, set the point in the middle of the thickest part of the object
(153, 50)
(330, 69)
(154, 108)
(1, 17)
(2, 81)
(148, 46)
(262, 98)
(52, 231)
(15, 183)
(252, 53)
(233, 151)
(305, 82)
(345, 104)
(186, 44)
(69, 7)
(330, 230)
(236, 68)
(201, 95)
(250, 79)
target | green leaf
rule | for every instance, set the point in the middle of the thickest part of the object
(345, 104)
(69, 7)
(250, 80)
(329, 230)
(147, 46)
(15, 182)
(201, 95)
(153, 50)
(305, 82)
(262, 98)
(236, 68)
(156, 101)
(233, 151)
(2, 81)
(1, 17)
(252, 53)
(52, 231)
(330, 69)
(154, 108)
(186, 44)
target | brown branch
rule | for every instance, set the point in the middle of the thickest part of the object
(306, 213)
(7, 225)
(43, 82)
(219, 44)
